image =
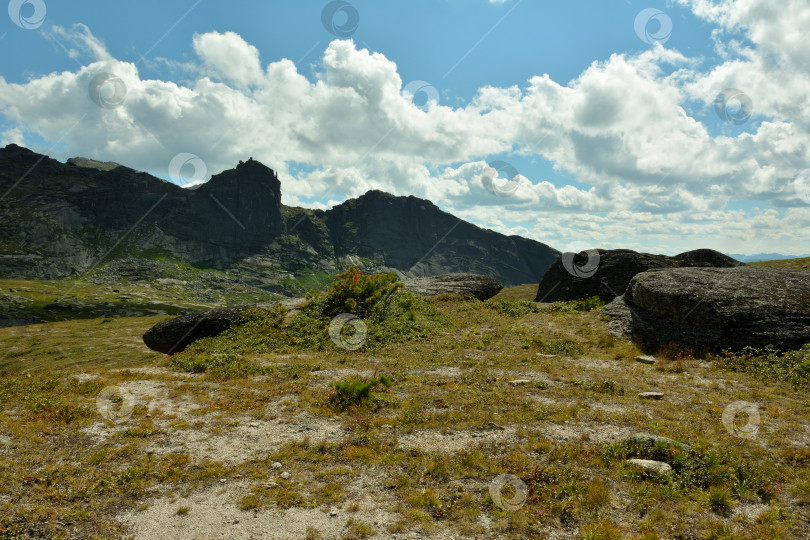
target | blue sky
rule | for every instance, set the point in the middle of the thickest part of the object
(616, 139)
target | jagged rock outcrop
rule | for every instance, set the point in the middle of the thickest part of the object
(715, 308)
(616, 267)
(476, 285)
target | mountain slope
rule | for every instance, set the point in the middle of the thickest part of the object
(102, 221)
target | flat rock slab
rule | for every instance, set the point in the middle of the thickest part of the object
(651, 465)
(520, 382)
(651, 395)
(646, 359)
(477, 285)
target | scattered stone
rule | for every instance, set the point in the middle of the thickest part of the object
(646, 359)
(271, 484)
(333, 512)
(276, 465)
(493, 425)
(520, 382)
(651, 395)
(285, 475)
(650, 465)
(541, 355)
(222, 480)
(387, 426)
(254, 424)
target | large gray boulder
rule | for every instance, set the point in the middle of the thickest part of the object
(477, 285)
(609, 273)
(715, 308)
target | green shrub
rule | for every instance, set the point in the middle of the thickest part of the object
(698, 469)
(769, 363)
(720, 500)
(367, 296)
(356, 391)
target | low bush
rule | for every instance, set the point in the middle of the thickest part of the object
(356, 391)
(769, 363)
(701, 470)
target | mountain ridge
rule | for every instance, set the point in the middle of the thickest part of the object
(78, 218)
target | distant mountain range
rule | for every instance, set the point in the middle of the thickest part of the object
(107, 222)
(764, 257)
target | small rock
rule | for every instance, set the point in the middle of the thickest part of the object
(148, 415)
(276, 465)
(254, 424)
(520, 382)
(493, 425)
(270, 484)
(646, 359)
(222, 480)
(387, 426)
(648, 440)
(285, 475)
(651, 395)
(650, 465)
(541, 355)
(333, 512)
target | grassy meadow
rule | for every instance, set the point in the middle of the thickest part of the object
(272, 430)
